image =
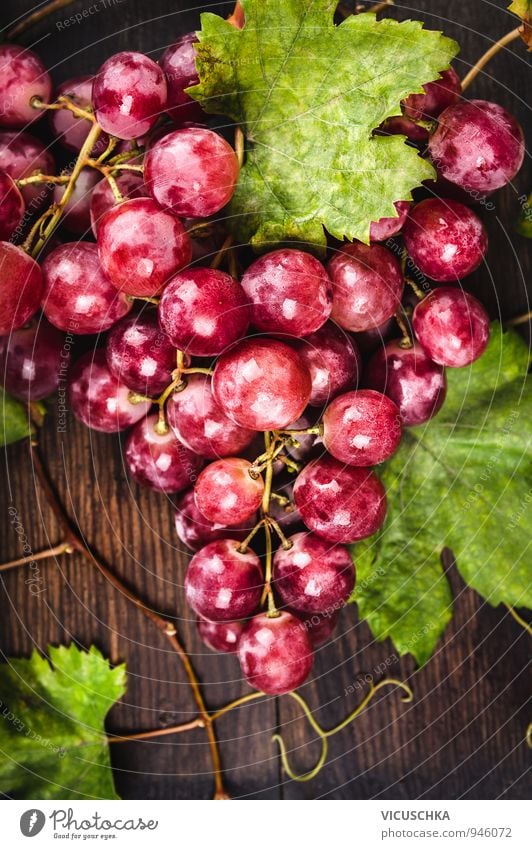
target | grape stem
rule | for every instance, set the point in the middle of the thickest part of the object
(43, 178)
(64, 102)
(519, 619)
(61, 548)
(406, 341)
(35, 17)
(488, 55)
(218, 257)
(519, 319)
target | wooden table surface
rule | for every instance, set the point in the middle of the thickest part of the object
(463, 737)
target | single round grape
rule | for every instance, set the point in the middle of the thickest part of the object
(221, 583)
(439, 94)
(130, 184)
(12, 206)
(140, 354)
(372, 339)
(398, 125)
(203, 311)
(226, 493)
(340, 503)
(69, 130)
(446, 240)
(98, 399)
(385, 228)
(23, 77)
(319, 626)
(77, 213)
(220, 636)
(21, 286)
(77, 296)
(333, 361)
(410, 378)
(289, 291)
(313, 576)
(21, 155)
(367, 286)
(275, 653)
(452, 326)
(199, 421)
(478, 145)
(141, 246)
(195, 531)
(262, 384)
(179, 65)
(129, 94)
(160, 462)
(34, 361)
(362, 428)
(192, 172)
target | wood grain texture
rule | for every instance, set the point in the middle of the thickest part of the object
(463, 735)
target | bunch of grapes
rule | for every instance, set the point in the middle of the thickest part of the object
(264, 402)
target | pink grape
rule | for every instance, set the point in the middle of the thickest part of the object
(70, 131)
(275, 653)
(221, 583)
(446, 240)
(191, 172)
(226, 493)
(289, 291)
(34, 361)
(77, 296)
(11, 206)
(98, 399)
(313, 576)
(385, 228)
(203, 311)
(319, 626)
(160, 462)
(77, 214)
(439, 94)
(220, 636)
(129, 93)
(21, 286)
(333, 361)
(375, 337)
(410, 378)
(199, 422)
(195, 531)
(367, 286)
(140, 354)
(452, 326)
(478, 145)
(340, 503)
(23, 77)
(179, 65)
(130, 185)
(141, 246)
(262, 384)
(362, 428)
(21, 155)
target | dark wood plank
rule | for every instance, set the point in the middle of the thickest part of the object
(462, 737)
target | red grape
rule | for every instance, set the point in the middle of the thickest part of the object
(385, 228)
(98, 399)
(367, 286)
(195, 531)
(289, 291)
(262, 384)
(221, 583)
(369, 340)
(362, 428)
(319, 626)
(23, 77)
(129, 94)
(77, 296)
(21, 287)
(452, 326)
(203, 310)
(68, 129)
(179, 65)
(226, 493)
(275, 653)
(77, 214)
(160, 461)
(220, 636)
(192, 172)
(11, 206)
(445, 239)
(333, 361)
(21, 155)
(199, 421)
(313, 576)
(410, 378)
(438, 95)
(340, 503)
(478, 145)
(140, 354)
(398, 125)
(141, 246)
(130, 184)
(34, 361)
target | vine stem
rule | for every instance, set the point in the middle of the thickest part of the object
(158, 732)
(35, 17)
(61, 548)
(489, 54)
(519, 319)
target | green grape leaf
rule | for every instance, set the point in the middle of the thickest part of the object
(462, 481)
(52, 736)
(14, 420)
(308, 95)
